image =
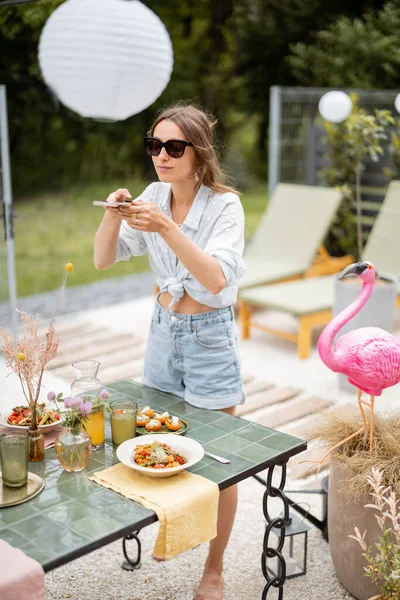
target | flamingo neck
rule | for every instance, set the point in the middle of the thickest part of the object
(327, 336)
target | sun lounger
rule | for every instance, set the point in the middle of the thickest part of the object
(290, 234)
(311, 300)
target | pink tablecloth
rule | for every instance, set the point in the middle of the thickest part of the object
(49, 438)
(21, 577)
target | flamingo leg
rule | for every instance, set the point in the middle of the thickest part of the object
(363, 428)
(371, 423)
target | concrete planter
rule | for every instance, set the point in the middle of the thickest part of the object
(343, 515)
(379, 311)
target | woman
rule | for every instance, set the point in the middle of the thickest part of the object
(192, 227)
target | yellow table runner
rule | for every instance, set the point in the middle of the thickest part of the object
(186, 505)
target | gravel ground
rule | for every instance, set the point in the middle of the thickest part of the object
(98, 576)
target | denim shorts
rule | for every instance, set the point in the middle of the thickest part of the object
(195, 357)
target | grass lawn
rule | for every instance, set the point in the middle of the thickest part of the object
(53, 229)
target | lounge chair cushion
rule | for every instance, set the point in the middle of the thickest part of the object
(298, 298)
(257, 273)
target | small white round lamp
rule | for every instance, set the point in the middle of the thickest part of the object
(335, 106)
(397, 103)
(105, 59)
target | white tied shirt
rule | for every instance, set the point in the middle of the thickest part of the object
(215, 223)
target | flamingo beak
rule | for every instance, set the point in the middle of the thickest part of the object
(356, 268)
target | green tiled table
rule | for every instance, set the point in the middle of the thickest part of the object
(73, 516)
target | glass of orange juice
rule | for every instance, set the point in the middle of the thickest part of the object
(95, 426)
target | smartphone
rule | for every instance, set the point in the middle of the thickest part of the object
(112, 204)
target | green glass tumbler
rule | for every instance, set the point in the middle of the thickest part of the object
(14, 459)
(123, 421)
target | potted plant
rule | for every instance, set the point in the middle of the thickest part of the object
(28, 358)
(359, 137)
(349, 488)
(383, 557)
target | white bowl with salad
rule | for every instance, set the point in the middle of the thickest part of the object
(20, 418)
(160, 455)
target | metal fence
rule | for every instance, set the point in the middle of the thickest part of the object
(8, 293)
(298, 144)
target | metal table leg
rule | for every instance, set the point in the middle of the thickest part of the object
(321, 524)
(278, 524)
(128, 564)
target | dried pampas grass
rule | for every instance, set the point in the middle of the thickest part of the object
(355, 454)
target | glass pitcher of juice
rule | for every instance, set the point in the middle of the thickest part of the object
(88, 386)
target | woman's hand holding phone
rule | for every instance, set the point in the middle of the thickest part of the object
(115, 198)
(139, 215)
(128, 210)
(144, 216)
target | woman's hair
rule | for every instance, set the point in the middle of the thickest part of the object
(197, 127)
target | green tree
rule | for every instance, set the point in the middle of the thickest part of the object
(361, 52)
(227, 54)
(266, 31)
(51, 145)
(351, 142)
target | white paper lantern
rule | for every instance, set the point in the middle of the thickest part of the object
(335, 106)
(397, 103)
(105, 59)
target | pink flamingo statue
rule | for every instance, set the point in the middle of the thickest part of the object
(368, 356)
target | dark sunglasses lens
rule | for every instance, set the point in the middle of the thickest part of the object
(175, 149)
(152, 147)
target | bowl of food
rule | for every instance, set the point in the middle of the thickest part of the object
(160, 455)
(20, 417)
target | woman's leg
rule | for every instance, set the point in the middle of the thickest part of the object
(212, 582)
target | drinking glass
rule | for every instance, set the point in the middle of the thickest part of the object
(94, 426)
(14, 459)
(123, 421)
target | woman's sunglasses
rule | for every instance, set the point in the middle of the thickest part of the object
(174, 148)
